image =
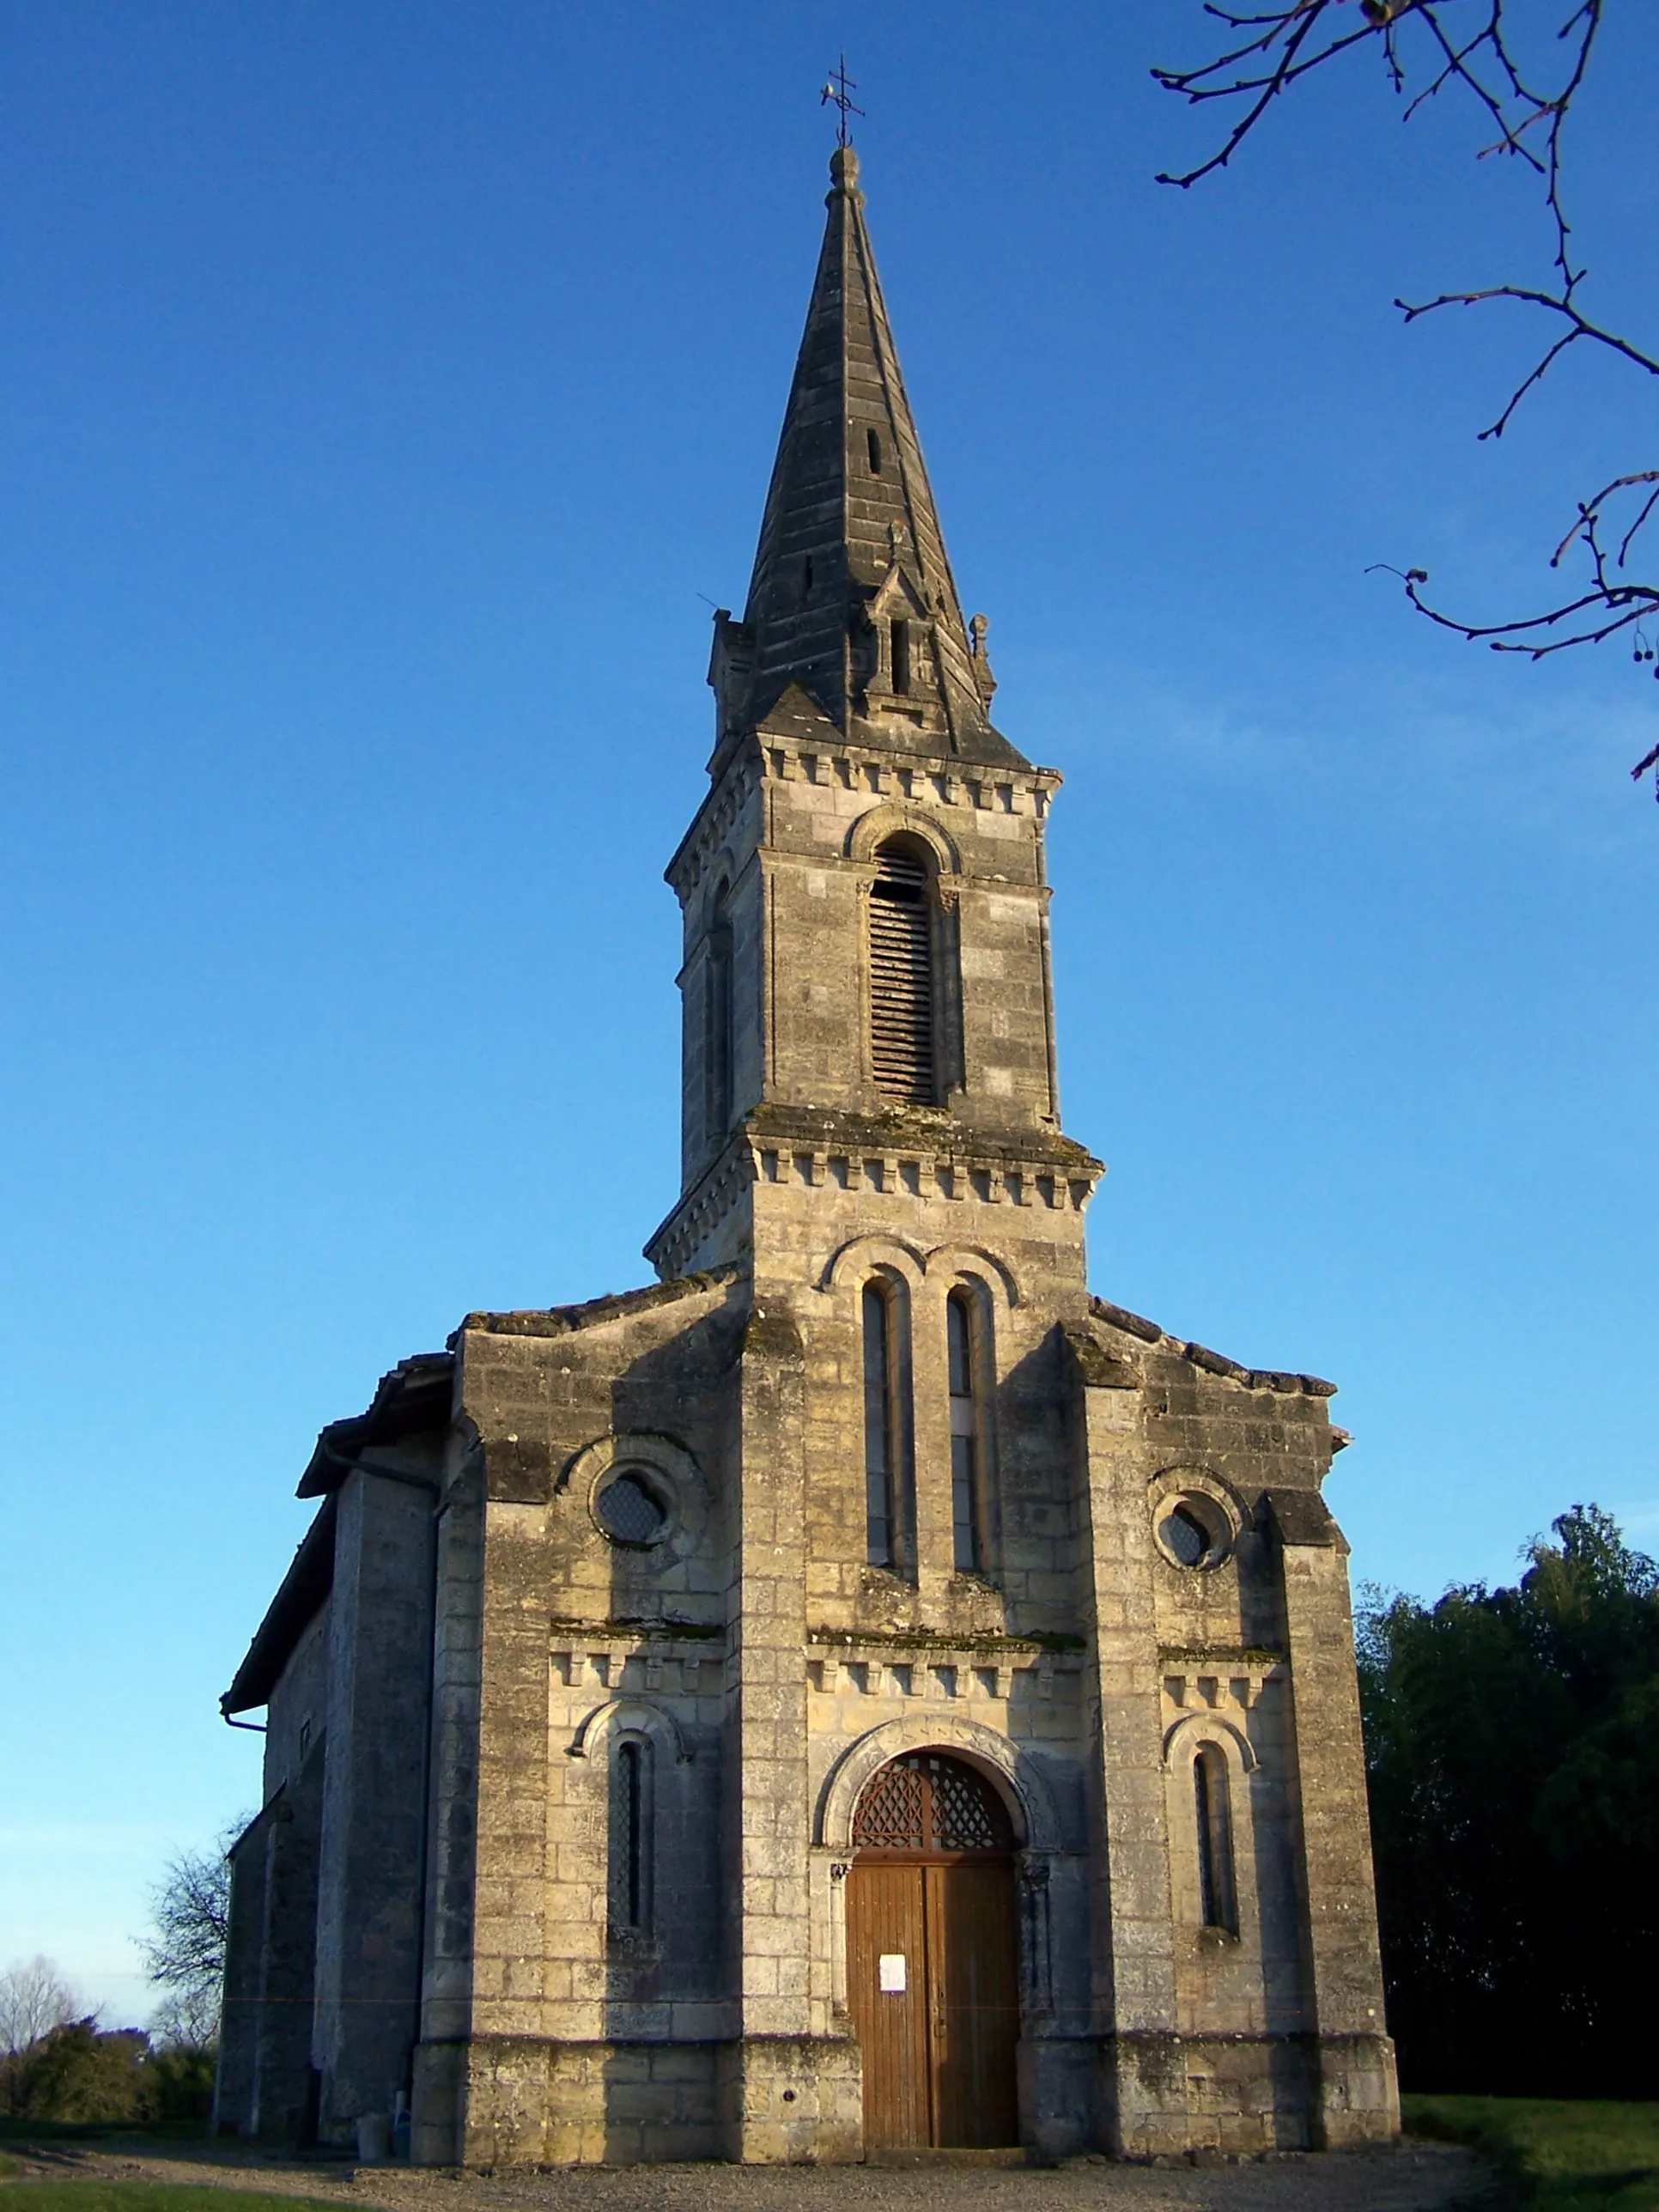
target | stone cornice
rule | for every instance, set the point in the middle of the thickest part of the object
(919, 1133)
(866, 1661)
(1216, 1658)
(740, 775)
(906, 1154)
(563, 1320)
(926, 1642)
(1201, 1680)
(703, 1207)
(1211, 1363)
(643, 1657)
(934, 780)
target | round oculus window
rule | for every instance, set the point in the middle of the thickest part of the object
(1187, 1534)
(629, 1510)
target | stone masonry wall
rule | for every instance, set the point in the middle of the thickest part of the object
(790, 834)
(584, 1644)
(375, 1791)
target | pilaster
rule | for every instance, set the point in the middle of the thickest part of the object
(1144, 2090)
(784, 2095)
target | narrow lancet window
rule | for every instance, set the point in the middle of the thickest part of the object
(968, 1546)
(630, 1913)
(872, 442)
(1213, 1819)
(717, 1026)
(901, 977)
(879, 1429)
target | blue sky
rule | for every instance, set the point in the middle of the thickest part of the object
(386, 392)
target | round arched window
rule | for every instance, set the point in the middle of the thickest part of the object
(1184, 1536)
(1193, 1531)
(629, 1510)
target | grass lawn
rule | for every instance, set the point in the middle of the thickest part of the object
(148, 2197)
(15, 2130)
(1563, 2156)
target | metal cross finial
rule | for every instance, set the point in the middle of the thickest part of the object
(839, 92)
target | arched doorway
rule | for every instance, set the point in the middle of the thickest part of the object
(932, 1963)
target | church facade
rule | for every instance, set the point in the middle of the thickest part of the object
(860, 1690)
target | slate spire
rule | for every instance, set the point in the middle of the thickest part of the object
(852, 599)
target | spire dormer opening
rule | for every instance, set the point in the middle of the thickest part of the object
(901, 655)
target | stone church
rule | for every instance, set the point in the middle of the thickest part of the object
(858, 1691)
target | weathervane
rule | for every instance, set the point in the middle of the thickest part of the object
(839, 92)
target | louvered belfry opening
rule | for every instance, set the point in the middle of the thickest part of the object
(901, 977)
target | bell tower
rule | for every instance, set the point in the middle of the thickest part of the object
(866, 989)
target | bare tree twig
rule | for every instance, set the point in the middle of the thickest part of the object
(1469, 45)
(189, 1928)
(34, 1998)
(1557, 304)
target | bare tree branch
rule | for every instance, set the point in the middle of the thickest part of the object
(190, 1922)
(1582, 328)
(1469, 44)
(1290, 65)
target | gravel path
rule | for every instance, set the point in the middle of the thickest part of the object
(1414, 2177)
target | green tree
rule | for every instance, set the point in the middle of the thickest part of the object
(177, 2088)
(76, 2073)
(1514, 1771)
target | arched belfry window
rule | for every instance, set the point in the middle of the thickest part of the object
(885, 1321)
(902, 995)
(717, 1023)
(967, 1437)
(1212, 1818)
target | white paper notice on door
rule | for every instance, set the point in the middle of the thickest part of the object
(889, 1969)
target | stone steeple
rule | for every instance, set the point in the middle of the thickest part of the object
(852, 602)
(863, 888)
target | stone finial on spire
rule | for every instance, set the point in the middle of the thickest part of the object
(978, 628)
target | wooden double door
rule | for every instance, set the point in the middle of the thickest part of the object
(933, 1965)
